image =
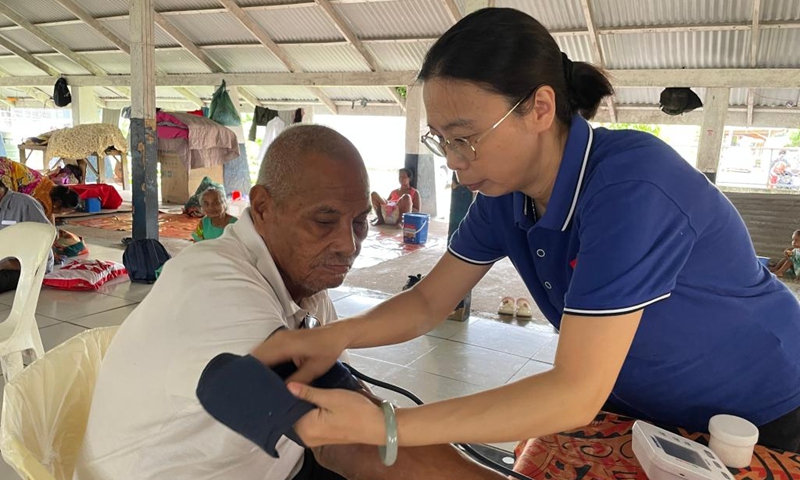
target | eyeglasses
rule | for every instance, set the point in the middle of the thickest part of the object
(462, 147)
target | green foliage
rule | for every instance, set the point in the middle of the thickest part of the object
(652, 129)
(794, 139)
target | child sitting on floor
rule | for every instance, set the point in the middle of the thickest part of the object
(789, 267)
(216, 216)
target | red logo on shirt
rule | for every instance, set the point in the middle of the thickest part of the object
(573, 263)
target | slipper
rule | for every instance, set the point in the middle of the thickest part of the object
(506, 306)
(524, 308)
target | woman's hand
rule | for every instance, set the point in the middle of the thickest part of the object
(342, 417)
(313, 351)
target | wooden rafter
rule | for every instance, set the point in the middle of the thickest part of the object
(597, 51)
(755, 33)
(352, 39)
(186, 43)
(48, 39)
(264, 38)
(98, 27)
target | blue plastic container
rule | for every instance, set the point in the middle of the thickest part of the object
(764, 261)
(415, 228)
(92, 205)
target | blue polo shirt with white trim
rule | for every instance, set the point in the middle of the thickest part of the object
(631, 225)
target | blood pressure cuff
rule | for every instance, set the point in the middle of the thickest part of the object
(252, 399)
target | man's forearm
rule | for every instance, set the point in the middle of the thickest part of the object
(361, 462)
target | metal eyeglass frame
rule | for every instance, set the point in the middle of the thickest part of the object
(439, 148)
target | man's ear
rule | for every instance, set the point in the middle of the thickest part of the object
(262, 203)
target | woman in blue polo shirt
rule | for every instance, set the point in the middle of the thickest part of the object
(618, 240)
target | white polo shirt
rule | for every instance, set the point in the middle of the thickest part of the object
(222, 295)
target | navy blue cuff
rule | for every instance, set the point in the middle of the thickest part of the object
(252, 400)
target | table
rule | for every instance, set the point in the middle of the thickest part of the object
(26, 150)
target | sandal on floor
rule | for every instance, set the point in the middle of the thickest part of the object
(506, 306)
(524, 308)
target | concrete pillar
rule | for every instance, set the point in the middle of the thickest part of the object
(236, 173)
(144, 149)
(418, 158)
(84, 106)
(712, 132)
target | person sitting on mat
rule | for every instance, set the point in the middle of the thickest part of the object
(267, 272)
(215, 209)
(22, 179)
(402, 200)
(789, 266)
(17, 208)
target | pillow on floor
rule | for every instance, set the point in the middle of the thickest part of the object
(84, 275)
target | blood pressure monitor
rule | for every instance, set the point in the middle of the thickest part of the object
(667, 456)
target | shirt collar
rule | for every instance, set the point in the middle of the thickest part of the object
(569, 180)
(261, 257)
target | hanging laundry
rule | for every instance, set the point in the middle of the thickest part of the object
(261, 117)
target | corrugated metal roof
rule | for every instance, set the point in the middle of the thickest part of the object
(245, 3)
(307, 24)
(101, 8)
(407, 18)
(208, 28)
(281, 93)
(26, 40)
(106, 94)
(717, 49)
(629, 13)
(63, 65)
(19, 67)
(738, 96)
(115, 63)
(780, 10)
(122, 28)
(553, 14)
(79, 37)
(162, 5)
(327, 58)
(779, 48)
(39, 10)
(401, 56)
(246, 60)
(179, 61)
(168, 93)
(777, 97)
(371, 94)
(3, 51)
(577, 47)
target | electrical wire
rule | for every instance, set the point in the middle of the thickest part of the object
(468, 449)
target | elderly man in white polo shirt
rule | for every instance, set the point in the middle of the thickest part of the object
(304, 229)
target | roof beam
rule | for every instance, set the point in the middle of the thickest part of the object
(258, 31)
(254, 28)
(353, 40)
(597, 51)
(755, 33)
(452, 9)
(46, 38)
(13, 48)
(98, 27)
(707, 77)
(249, 97)
(347, 32)
(189, 95)
(186, 42)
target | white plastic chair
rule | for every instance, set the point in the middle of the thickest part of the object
(46, 407)
(30, 243)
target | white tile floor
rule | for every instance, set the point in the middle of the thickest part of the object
(455, 359)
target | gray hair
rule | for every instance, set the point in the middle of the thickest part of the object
(220, 193)
(281, 164)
